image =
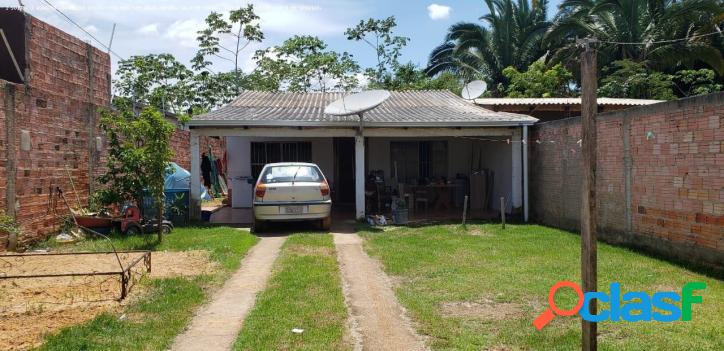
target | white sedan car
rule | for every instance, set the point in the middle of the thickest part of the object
(290, 191)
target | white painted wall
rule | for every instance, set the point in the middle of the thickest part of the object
(238, 156)
(499, 157)
(239, 163)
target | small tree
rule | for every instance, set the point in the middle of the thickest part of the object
(539, 81)
(9, 227)
(138, 157)
(379, 34)
(410, 77)
(696, 82)
(630, 79)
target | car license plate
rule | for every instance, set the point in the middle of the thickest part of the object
(294, 209)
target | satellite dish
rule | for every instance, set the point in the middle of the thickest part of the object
(474, 89)
(357, 104)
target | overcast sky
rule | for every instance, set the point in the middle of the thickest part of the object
(158, 26)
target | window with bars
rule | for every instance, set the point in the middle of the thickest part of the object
(414, 160)
(271, 152)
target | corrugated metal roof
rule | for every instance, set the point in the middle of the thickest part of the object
(562, 101)
(403, 109)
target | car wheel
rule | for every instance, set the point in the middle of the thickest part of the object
(133, 229)
(327, 223)
(166, 229)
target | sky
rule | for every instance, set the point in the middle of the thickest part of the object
(170, 26)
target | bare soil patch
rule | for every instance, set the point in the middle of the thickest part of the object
(302, 250)
(477, 231)
(31, 308)
(484, 310)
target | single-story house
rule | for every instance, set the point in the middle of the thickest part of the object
(549, 109)
(429, 147)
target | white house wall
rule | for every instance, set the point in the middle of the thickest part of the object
(239, 163)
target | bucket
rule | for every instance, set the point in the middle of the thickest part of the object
(399, 216)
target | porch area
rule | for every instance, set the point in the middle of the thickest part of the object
(423, 151)
(428, 172)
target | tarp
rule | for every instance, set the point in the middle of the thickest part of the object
(180, 179)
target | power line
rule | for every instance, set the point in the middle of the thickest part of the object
(660, 41)
(83, 29)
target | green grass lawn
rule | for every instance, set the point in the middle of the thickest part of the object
(158, 317)
(472, 292)
(304, 292)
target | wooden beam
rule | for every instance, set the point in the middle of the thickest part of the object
(589, 108)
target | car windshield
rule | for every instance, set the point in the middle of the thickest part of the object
(286, 174)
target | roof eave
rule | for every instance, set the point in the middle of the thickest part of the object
(441, 124)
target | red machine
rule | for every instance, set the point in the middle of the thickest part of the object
(132, 223)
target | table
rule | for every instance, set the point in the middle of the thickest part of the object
(440, 195)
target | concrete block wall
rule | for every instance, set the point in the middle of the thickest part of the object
(659, 182)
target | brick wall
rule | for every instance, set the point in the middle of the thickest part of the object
(181, 143)
(57, 109)
(69, 81)
(659, 182)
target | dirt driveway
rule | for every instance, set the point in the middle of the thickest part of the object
(377, 320)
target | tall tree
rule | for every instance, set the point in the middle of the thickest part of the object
(157, 80)
(302, 64)
(666, 35)
(510, 36)
(226, 39)
(379, 34)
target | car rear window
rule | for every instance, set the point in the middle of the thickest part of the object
(286, 174)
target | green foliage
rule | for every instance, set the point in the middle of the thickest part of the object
(241, 28)
(304, 292)
(539, 81)
(629, 79)
(409, 77)
(138, 157)
(156, 80)
(168, 304)
(379, 34)
(302, 64)
(673, 31)
(696, 82)
(511, 36)
(450, 265)
(214, 89)
(7, 224)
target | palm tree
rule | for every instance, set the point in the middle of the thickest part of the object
(674, 34)
(511, 37)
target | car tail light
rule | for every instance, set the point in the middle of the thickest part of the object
(324, 188)
(260, 190)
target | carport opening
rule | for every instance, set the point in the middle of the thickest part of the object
(432, 176)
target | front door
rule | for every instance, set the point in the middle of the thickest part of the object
(344, 170)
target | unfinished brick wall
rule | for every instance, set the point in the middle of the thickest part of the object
(69, 81)
(181, 143)
(56, 110)
(659, 182)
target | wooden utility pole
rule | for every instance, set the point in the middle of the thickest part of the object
(589, 107)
